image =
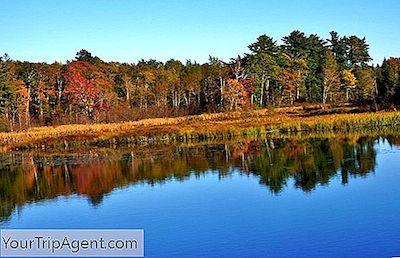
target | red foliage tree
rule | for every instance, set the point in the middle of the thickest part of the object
(87, 87)
(288, 80)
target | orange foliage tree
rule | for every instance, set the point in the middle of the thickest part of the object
(235, 94)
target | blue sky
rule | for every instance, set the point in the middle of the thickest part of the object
(128, 30)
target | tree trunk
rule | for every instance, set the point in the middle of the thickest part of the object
(59, 89)
(262, 93)
(128, 98)
(324, 94)
(11, 118)
(128, 94)
(41, 113)
(8, 117)
(221, 91)
(27, 111)
(267, 90)
(13, 121)
(273, 95)
(20, 121)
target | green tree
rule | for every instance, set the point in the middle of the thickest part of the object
(295, 44)
(29, 79)
(7, 91)
(298, 66)
(264, 67)
(338, 46)
(389, 81)
(84, 55)
(125, 82)
(315, 60)
(312, 49)
(265, 44)
(358, 48)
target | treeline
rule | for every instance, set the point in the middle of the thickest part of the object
(303, 69)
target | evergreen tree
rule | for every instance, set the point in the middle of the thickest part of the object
(358, 48)
(295, 44)
(315, 60)
(6, 89)
(265, 44)
(389, 81)
(339, 48)
(264, 67)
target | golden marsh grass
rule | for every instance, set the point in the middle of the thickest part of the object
(198, 128)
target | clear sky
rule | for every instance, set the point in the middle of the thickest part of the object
(128, 30)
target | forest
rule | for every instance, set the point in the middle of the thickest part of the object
(303, 69)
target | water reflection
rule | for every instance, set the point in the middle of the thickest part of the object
(27, 177)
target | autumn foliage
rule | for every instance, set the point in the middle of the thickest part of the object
(303, 69)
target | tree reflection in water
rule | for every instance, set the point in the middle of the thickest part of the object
(27, 177)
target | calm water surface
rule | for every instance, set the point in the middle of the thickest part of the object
(268, 198)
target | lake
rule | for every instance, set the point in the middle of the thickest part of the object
(337, 197)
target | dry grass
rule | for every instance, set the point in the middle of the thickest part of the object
(197, 128)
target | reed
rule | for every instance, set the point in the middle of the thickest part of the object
(198, 128)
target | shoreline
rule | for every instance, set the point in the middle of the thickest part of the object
(199, 128)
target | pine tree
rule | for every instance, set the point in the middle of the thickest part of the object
(339, 49)
(358, 54)
(264, 67)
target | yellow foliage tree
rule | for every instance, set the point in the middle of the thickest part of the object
(350, 82)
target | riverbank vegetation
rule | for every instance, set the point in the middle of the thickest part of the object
(200, 128)
(303, 69)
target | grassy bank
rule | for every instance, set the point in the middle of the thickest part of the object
(199, 128)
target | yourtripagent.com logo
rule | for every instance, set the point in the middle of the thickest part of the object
(72, 243)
